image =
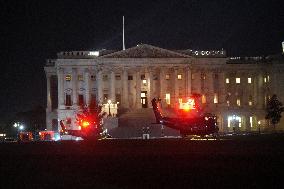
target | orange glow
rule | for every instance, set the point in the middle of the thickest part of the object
(189, 105)
(85, 123)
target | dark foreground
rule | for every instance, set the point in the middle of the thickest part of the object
(254, 162)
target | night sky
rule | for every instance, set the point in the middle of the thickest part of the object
(32, 31)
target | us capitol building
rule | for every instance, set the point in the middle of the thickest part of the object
(236, 89)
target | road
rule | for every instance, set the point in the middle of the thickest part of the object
(241, 162)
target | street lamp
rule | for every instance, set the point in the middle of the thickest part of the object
(259, 126)
(109, 103)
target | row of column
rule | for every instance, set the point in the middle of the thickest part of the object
(125, 91)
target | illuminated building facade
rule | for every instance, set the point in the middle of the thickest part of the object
(235, 89)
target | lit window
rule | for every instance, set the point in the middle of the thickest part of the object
(238, 80)
(249, 80)
(179, 76)
(215, 98)
(250, 121)
(203, 99)
(239, 102)
(180, 100)
(268, 78)
(80, 78)
(265, 80)
(227, 80)
(167, 76)
(203, 76)
(250, 100)
(168, 98)
(68, 77)
(143, 95)
(228, 103)
(144, 81)
(192, 76)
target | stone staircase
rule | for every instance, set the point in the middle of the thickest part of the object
(131, 123)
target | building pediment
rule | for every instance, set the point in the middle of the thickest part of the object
(146, 51)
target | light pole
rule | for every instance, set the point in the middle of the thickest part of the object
(109, 103)
(19, 127)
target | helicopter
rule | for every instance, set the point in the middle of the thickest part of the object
(189, 119)
(90, 124)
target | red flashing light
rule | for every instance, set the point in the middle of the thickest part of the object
(85, 123)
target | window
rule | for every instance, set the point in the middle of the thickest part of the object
(144, 81)
(228, 103)
(265, 80)
(168, 98)
(239, 102)
(203, 99)
(203, 76)
(227, 80)
(105, 97)
(250, 100)
(105, 77)
(93, 77)
(80, 100)
(117, 77)
(130, 77)
(68, 100)
(68, 77)
(80, 78)
(143, 77)
(215, 98)
(167, 76)
(250, 121)
(238, 80)
(155, 77)
(249, 80)
(216, 76)
(179, 76)
(118, 98)
(192, 76)
(268, 78)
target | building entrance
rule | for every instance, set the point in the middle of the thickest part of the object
(144, 101)
(234, 123)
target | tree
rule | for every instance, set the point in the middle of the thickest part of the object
(274, 108)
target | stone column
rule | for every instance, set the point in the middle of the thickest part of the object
(151, 87)
(162, 84)
(100, 86)
(125, 101)
(197, 77)
(87, 86)
(260, 91)
(138, 89)
(247, 121)
(48, 104)
(175, 79)
(188, 81)
(112, 86)
(222, 89)
(74, 86)
(60, 74)
(210, 85)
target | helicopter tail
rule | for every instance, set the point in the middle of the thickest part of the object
(156, 110)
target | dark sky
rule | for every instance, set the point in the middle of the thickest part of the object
(32, 31)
